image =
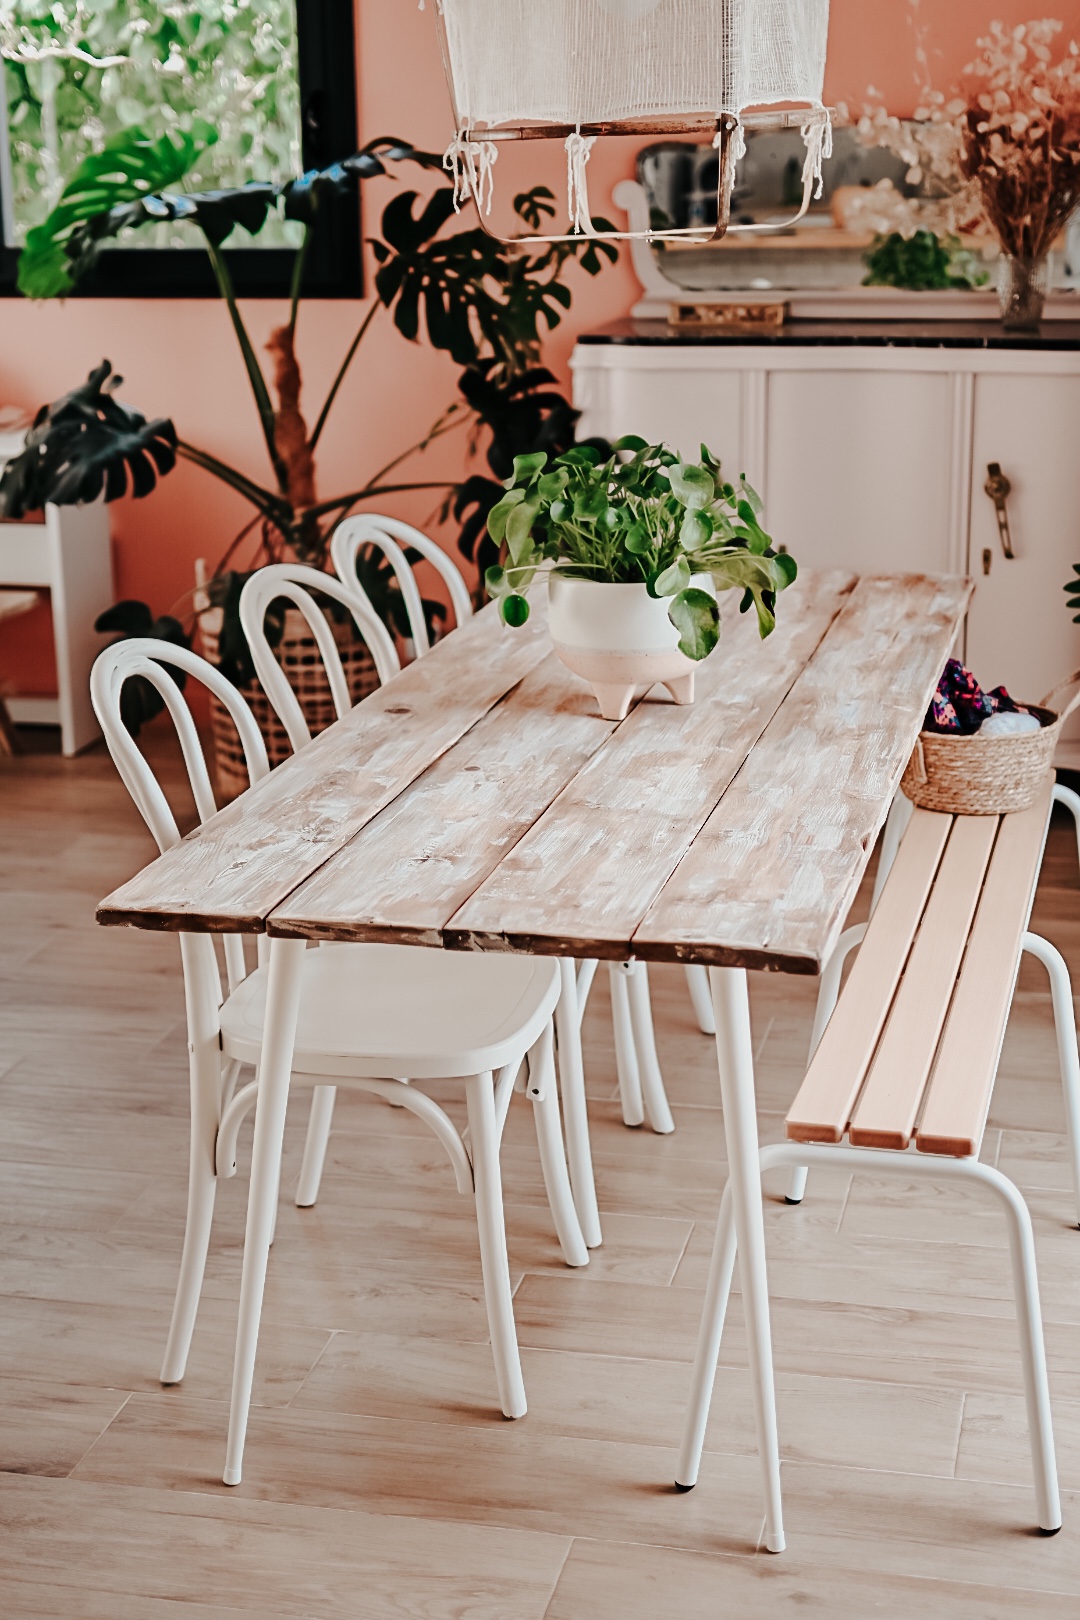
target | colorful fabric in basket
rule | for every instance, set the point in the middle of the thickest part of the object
(960, 705)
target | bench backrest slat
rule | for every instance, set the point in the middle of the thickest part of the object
(889, 1105)
(957, 1103)
(821, 1111)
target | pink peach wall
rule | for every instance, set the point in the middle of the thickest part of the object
(178, 358)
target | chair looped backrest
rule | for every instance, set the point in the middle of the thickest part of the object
(151, 659)
(390, 535)
(294, 582)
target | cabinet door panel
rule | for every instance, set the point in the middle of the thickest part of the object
(681, 408)
(859, 469)
(1020, 632)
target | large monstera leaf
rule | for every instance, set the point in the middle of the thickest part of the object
(126, 185)
(128, 171)
(86, 444)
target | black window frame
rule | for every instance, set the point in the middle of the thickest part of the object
(326, 68)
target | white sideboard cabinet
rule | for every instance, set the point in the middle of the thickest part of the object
(871, 448)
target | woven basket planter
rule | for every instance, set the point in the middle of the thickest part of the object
(299, 657)
(987, 776)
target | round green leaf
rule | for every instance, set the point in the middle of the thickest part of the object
(696, 617)
(514, 610)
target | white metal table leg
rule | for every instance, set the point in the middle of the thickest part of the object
(275, 1070)
(735, 1057)
(575, 1115)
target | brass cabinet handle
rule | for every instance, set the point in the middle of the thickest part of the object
(997, 486)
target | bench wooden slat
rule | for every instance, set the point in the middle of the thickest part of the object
(780, 860)
(958, 1100)
(889, 1105)
(822, 1108)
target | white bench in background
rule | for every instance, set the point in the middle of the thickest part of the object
(69, 556)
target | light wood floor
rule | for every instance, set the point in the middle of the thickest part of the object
(379, 1480)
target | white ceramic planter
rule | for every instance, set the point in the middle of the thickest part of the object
(619, 639)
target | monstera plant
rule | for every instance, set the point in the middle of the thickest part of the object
(482, 303)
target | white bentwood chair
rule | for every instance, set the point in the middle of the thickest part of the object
(368, 1014)
(641, 1085)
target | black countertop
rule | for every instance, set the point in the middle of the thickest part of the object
(843, 334)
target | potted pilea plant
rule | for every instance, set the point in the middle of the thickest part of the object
(639, 542)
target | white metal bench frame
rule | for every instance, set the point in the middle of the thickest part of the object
(908, 1161)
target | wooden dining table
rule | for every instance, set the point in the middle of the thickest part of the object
(479, 802)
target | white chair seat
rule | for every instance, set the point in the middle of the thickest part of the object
(389, 1011)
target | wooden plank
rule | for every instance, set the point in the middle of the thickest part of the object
(887, 1109)
(227, 875)
(772, 875)
(409, 869)
(823, 1105)
(582, 878)
(963, 1079)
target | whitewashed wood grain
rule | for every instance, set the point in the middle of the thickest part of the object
(228, 874)
(770, 878)
(582, 878)
(411, 867)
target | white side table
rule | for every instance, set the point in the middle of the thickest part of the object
(69, 556)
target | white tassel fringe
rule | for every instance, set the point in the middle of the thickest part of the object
(470, 163)
(817, 133)
(578, 147)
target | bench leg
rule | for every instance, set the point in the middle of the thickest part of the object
(1071, 801)
(1068, 1056)
(828, 995)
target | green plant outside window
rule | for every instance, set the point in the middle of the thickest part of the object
(77, 72)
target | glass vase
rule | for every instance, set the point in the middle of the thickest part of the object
(1021, 291)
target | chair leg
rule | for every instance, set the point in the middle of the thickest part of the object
(626, 1060)
(652, 1081)
(275, 1071)
(717, 1291)
(697, 982)
(828, 995)
(1068, 1056)
(316, 1143)
(205, 1078)
(543, 1093)
(575, 1112)
(484, 1140)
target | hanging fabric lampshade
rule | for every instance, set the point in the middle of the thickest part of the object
(576, 69)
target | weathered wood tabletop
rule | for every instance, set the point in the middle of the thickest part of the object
(479, 802)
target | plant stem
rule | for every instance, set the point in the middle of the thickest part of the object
(254, 370)
(370, 489)
(342, 369)
(271, 505)
(298, 277)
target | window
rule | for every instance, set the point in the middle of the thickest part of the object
(275, 77)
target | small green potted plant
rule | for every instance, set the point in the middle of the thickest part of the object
(638, 543)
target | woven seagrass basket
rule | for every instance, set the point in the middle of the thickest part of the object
(987, 776)
(301, 660)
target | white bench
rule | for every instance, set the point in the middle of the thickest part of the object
(902, 1076)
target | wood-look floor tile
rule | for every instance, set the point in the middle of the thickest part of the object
(955, 1530)
(994, 1438)
(121, 1348)
(607, 1581)
(265, 1559)
(624, 1399)
(30, 1600)
(499, 1473)
(46, 1427)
